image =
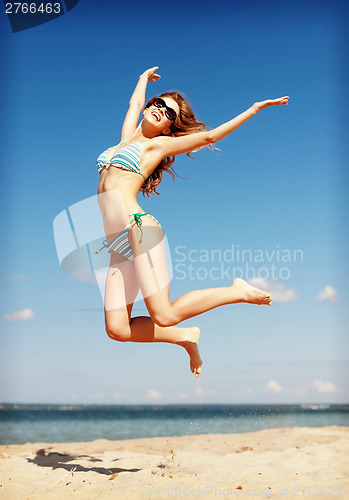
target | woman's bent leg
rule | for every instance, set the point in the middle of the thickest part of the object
(143, 329)
(151, 268)
(121, 291)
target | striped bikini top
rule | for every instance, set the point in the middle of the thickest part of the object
(127, 158)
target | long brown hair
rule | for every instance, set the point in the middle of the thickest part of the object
(184, 124)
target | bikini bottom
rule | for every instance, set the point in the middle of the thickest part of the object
(121, 243)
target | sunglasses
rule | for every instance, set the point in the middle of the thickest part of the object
(169, 112)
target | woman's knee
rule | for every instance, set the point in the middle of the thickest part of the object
(118, 330)
(164, 318)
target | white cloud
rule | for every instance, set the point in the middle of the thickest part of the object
(322, 386)
(250, 392)
(85, 278)
(19, 315)
(17, 277)
(245, 394)
(274, 386)
(152, 394)
(300, 391)
(204, 392)
(116, 396)
(328, 294)
(96, 396)
(182, 395)
(278, 291)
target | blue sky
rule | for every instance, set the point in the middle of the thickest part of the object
(277, 185)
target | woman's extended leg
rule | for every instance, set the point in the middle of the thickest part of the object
(120, 293)
(148, 245)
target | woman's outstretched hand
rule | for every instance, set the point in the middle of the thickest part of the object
(150, 74)
(270, 102)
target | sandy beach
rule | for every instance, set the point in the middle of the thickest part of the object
(272, 463)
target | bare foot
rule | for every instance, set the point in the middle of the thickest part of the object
(191, 346)
(249, 293)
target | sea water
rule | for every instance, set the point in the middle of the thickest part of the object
(75, 423)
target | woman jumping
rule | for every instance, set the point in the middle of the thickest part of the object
(135, 239)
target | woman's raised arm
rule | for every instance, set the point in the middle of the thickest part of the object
(137, 102)
(172, 146)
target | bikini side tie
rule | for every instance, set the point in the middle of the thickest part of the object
(137, 219)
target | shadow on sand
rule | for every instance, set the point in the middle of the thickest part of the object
(46, 458)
